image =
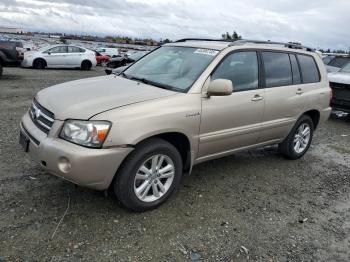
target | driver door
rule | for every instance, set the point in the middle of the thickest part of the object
(234, 121)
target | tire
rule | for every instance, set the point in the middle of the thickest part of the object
(289, 146)
(1, 70)
(86, 65)
(126, 184)
(39, 64)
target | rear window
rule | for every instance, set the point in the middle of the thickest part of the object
(278, 71)
(309, 70)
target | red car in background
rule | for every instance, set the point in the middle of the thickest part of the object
(101, 59)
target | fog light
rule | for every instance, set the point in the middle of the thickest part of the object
(64, 165)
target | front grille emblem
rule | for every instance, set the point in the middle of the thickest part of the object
(37, 113)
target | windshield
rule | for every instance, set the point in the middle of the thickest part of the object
(327, 59)
(175, 68)
(339, 62)
(346, 69)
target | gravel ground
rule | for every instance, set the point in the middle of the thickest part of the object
(250, 206)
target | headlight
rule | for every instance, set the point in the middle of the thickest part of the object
(85, 133)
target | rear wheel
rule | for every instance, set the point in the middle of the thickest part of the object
(299, 139)
(39, 64)
(149, 175)
(86, 65)
(103, 63)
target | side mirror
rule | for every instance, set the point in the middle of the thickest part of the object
(220, 87)
(49, 53)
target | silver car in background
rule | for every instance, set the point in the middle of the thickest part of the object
(60, 56)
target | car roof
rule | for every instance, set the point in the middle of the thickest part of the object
(222, 44)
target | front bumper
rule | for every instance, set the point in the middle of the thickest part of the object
(93, 168)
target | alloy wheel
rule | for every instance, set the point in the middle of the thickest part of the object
(154, 178)
(302, 138)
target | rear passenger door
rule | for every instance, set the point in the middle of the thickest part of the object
(74, 57)
(285, 91)
(232, 122)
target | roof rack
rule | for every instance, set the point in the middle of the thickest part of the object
(202, 39)
(287, 45)
(246, 41)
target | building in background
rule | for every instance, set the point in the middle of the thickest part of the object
(12, 30)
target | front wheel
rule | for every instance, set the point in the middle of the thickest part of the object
(299, 139)
(149, 175)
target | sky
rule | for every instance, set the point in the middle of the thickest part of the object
(316, 23)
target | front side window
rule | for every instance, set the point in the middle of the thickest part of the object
(57, 50)
(309, 69)
(278, 70)
(241, 68)
(171, 67)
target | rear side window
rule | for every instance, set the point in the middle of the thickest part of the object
(278, 71)
(74, 49)
(295, 70)
(309, 70)
(241, 68)
(57, 50)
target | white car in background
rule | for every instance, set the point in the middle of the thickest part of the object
(60, 56)
(110, 51)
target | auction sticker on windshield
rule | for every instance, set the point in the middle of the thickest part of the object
(206, 52)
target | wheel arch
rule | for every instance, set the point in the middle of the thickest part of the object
(88, 61)
(180, 141)
(314, 115)
(38, 59)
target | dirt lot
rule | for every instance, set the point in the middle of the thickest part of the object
(278, 210)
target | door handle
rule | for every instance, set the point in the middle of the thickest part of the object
(299, 91)
(257, 97)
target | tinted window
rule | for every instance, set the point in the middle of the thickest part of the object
(339, 62)
(278, 71)
(295, 70)
(241, 68)
(309, 69)
(74, 49)
(57, 49)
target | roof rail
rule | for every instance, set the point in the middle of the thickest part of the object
(245, 41)
(287, 45)
(203, 39)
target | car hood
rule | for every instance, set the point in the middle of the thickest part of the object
(82, 99)
(339, 77)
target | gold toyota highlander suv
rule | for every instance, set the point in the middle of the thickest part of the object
(182, 104)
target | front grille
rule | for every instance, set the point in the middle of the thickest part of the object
(41, 117)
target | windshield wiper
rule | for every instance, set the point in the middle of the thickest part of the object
(150, 82)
